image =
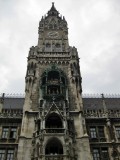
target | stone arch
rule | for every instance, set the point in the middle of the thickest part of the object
(59, 62)
(53, 146)
(63, 63)
(67, 63)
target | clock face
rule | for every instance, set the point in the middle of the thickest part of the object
(53, 34)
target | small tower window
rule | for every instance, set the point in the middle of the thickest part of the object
(48, 45)
(58, 45)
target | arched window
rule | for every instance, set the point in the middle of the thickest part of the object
(50, 26)
(55, 26)
(54, 147)
(53, 121)
(58, 45)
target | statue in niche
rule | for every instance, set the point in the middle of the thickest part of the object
(33, 145)
(48, 91)
(53, 47)
(74, 50)
(71, 150)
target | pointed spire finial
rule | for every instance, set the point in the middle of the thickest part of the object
(102, 96)
(53, 6)
(52, 3)
(104, 104)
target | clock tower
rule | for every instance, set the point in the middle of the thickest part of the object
(53, 32)
(53, 125)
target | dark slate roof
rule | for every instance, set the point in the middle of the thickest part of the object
(97, 103)
(13, 103)
(88, 103)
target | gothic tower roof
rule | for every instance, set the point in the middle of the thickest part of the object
(53, 20)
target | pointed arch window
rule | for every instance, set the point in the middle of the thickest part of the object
(53, 121)
(54, 147)
(54, 124)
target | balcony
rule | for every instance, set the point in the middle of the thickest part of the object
(54, 157)
(54, 130)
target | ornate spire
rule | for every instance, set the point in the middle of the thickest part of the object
(53, 11)
(53, 7)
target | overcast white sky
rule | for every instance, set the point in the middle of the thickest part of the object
(94, 29)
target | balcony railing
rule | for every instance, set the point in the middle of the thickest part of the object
(54, 130)
(54, 157)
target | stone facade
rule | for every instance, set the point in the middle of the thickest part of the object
(54, 121)
(52, 125)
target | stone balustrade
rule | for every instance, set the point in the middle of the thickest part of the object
(54, 157)
(101, 113)
(11, 113)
